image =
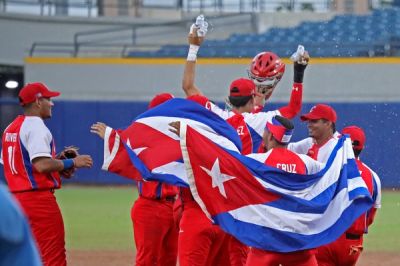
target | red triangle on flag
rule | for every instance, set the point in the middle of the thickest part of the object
(157, 148)
(220, 180)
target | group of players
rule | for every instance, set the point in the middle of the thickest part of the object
(168, 223)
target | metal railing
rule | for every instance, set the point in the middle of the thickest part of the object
(110, 39)
(94, 8)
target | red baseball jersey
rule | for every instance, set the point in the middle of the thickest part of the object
(288, 161)
(371, 179)
(25, 139)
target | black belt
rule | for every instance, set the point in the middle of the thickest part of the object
(352, 236)
(167, 198)
(170, 198)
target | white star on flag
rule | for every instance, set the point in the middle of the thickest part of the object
(217, 177)
(137, 150)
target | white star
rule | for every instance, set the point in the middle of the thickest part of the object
(137, 150)
(217, 177)
(295, 88)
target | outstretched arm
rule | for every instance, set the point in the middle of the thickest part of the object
(294, 107)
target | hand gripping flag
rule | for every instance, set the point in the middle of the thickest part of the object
(267, 208)
(147, 149)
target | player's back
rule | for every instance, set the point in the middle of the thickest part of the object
(288, 161)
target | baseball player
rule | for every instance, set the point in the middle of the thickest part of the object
(155, 233)
(32, 172)
(276, 137)
(246, 97)
(156, 236)
(346, 250)
(322, 133)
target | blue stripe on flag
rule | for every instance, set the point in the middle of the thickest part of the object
(319, 203)
(283, 241)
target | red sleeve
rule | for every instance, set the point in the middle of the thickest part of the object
(294, 107)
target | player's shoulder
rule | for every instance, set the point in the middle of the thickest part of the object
(304, 142)
(373, 173)
(268, 114)
(33, 124)
(34, 120)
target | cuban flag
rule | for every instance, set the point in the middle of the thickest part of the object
(266, 208)
(148, 150)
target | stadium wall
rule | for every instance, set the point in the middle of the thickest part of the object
(363, 91)
(72, 120)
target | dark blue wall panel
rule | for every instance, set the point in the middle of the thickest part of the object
(72, 120)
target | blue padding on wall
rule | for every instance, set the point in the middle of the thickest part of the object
(71, 123)
(72, 120)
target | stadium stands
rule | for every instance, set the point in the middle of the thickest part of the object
(376, 34)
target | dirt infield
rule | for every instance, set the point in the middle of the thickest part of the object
(124, 258)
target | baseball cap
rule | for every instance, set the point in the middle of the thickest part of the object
(281, 133)
(320, 111)
(33, 91)
(242, 87)
(159, 99)
(357, 136)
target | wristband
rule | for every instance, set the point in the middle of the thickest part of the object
(298, 72)
(192, 54)
(68, 163)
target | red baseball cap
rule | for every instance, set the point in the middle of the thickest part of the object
(33, 91)
(242, 87)
(357, 136)
(320, 111)
(159, 99)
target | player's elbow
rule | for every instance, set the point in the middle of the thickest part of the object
(42, 165)
(187, 87)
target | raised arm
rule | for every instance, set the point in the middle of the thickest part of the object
(189, 73)
(296, 97)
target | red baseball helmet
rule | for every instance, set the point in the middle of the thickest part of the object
(266, 69)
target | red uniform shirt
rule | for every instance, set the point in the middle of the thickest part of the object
(238, 123)
(25, 139)
(286, 160)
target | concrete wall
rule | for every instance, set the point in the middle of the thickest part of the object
(326, 80)
(19, 32)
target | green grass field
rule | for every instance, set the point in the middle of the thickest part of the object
(98, 218)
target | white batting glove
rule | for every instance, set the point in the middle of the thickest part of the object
(201, 26)
(298, 56)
